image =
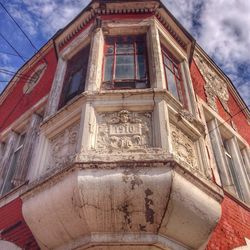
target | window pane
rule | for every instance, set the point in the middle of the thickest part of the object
(75, 82)
(124, 67)
(125, 48)
(109, 61)
(140, 48)
(171, 83)
(167, 61)
(141, 67)
(7, 186)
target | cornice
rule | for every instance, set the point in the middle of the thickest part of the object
(96, 10)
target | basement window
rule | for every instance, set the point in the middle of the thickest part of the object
(74, 81)
(125, 63)
(173, 75)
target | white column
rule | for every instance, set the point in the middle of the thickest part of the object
(87, 128)
(94, 73)
(246, 157)
(156, 71)
(160, 119)
(56, 89)
(219, 153)
(239, 168)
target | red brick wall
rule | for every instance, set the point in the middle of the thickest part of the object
(232, 228)
(239, 120)
(17, 103)
(13, 227)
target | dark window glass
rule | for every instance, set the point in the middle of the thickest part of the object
(125, 62)
(173, 75)
(75, 76)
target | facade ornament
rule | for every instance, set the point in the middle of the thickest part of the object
(63, 147)
(192, 119)
(183, 147)
(214, 85)
(34, 78)
(124, 131)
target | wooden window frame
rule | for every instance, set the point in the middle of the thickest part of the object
(8, 179)
(114, 40)
(175, 64)
(74, 65)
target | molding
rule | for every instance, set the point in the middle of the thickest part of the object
(96, 10)
(34, 78)
(212, 114)
(124, 239)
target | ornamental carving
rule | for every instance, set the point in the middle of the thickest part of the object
(63, 147)
(124, 131)
(214, 86)
(34, 78)
(183, 147)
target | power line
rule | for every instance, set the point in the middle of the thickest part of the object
(8, 53)
(247, 106)
(11, 73)
(12, 46)
(20, 28)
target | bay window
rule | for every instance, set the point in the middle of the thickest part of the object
(74, 81)
(125, 62)
(173, 75)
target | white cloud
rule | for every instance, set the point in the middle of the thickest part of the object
(220, 27)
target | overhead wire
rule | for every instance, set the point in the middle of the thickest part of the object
(211, 130)
(9, 54)
(20, 28)
(6, 40)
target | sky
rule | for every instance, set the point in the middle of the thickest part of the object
(221, 28)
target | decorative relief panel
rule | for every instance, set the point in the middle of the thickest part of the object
(34, 78)
(63, 147)
(184, 147)
(215, 86)
(124, 131)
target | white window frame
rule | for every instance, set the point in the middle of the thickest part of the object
(225, 143)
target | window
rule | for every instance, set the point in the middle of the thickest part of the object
(232, 172)
(75, 76)
(8, 184)
(228, 158)
(173, 75)
(125, 63)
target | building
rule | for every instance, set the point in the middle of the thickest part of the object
(122, 133)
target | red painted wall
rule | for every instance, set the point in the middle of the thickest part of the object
(13, 227)
(17, 103)
(239, 120)
(233, 227)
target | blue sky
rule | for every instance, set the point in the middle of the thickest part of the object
(221, 27)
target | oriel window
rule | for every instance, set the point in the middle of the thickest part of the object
(125, 63)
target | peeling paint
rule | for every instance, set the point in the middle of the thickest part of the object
(149, 214)
(126, 216)
(132, 177)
